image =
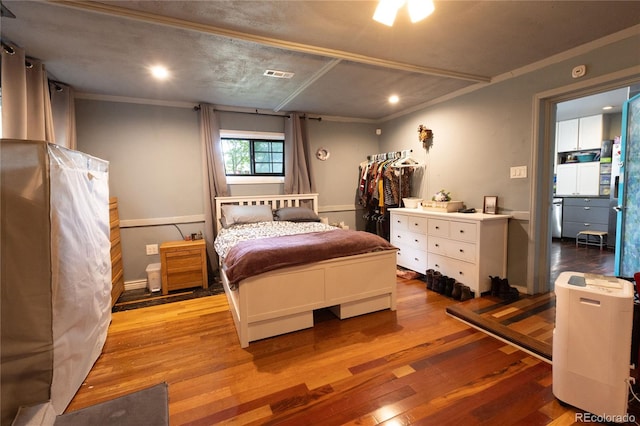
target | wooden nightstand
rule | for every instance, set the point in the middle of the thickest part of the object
(183, 265)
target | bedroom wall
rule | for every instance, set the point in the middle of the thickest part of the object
(156, 173)
(480, 135)
(156, 161)
(154, 169)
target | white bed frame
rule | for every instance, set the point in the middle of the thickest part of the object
(283, 301)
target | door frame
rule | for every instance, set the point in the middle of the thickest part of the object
(541, 184)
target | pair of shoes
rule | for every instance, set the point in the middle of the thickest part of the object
(429, 278)
(457, 290)
(438, 282)
(495, 285)
(466, 293)
(449, 284)
(500, 287)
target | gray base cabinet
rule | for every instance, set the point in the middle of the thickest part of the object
(584, 214)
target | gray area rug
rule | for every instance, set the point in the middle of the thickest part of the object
(146, 407)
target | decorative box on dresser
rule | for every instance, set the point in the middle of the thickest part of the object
(183, 264)
(466, 246)
(117, 272)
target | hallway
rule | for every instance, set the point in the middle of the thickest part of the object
(565, 256)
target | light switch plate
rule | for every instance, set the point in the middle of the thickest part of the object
(518, 172)
(152, 249)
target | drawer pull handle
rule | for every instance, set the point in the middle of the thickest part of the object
(437, 227)
(587, 208)
(461, 251)
(587, 224)
(460, 273)
(399, 237)
(462, 231)
(437, 245)
(437, 266)
(416, 259)
(416, 240)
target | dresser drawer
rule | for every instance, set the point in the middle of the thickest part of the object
(398, 221)
(588, 214)
(413, 259)
(451, 248)
(462, 271)
(464, 231)
(584, 202)
(417, 225)
(438, 227)
(571, 229)
(402, 238)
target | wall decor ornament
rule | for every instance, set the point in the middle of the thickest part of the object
(426, 136)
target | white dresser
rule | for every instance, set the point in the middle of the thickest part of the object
(466, 246)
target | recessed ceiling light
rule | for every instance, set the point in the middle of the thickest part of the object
(607, 107)
(393, 99)
(159, 72)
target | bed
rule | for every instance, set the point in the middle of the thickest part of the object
(282, 300)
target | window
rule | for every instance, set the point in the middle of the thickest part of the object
(252, 154)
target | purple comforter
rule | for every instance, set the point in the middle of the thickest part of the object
(249, 258)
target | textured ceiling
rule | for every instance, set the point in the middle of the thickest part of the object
(345, 63)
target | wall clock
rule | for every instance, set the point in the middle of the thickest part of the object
(322, 154)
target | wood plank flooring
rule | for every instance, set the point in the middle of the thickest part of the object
(527, 322)
(416, 365)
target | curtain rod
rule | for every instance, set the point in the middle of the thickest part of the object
(197, 108)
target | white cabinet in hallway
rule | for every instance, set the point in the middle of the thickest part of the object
(466, 246)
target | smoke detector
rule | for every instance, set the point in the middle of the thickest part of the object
(278, 74)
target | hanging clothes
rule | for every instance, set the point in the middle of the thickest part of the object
(383, 182)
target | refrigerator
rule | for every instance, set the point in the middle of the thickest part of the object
(56, 272)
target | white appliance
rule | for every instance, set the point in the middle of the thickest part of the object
(592, 342)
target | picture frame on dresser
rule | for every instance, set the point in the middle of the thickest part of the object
(490, 204)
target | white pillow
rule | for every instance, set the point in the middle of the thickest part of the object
(235, 214)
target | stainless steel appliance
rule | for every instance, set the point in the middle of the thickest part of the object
(556, 218)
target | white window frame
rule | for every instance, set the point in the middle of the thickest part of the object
(249, 134)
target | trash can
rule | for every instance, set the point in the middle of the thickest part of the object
(154, 280)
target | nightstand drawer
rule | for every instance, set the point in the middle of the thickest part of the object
(183, 265)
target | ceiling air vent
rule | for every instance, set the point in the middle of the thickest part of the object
(278, 74)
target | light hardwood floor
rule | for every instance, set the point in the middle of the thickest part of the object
(416, 365)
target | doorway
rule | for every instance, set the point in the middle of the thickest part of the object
(543, 162)
(592, 209)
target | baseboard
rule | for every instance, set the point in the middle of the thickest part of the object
(135, 285)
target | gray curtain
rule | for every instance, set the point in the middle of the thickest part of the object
(298, 174)
(64, 114)
(215, 181)
(26, 104)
